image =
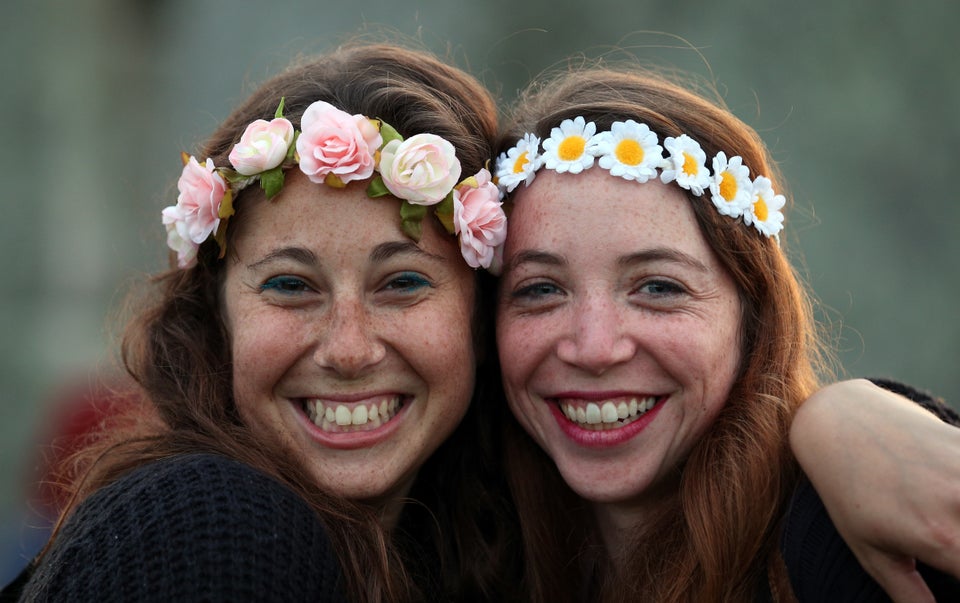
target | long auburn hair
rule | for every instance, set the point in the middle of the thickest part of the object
(717, 538)
(177, 350)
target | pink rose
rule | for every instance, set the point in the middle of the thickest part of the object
(262, 147)
(335, 142)
(422, 169)
(177, 238)
(201, 191)
(479, 220)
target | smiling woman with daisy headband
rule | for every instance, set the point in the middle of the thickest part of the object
(320, 418)
(655, 346)
(309, 360)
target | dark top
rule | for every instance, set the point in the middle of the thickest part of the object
(204, 528)
(191, 528)
(822, 567)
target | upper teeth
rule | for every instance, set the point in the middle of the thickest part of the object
(606, 412)
(330, 415)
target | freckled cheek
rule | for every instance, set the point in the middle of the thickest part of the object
(438, 345)
(522, 346)
(262, 349)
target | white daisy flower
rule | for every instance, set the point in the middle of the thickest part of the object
(568, 149)
(732, 190)
(629, 150)
(520, 163)
(687, 164)
(764, 213)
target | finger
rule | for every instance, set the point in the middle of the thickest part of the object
(898, 576)
(941, 551)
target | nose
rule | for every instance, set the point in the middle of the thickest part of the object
(597, 340)
(348, 344)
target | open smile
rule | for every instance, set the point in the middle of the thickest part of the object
(606, 414)
(334, 416)
(600, 421)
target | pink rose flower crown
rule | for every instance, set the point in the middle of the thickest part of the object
(334, 148)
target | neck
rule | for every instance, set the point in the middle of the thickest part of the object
(390, 505)
(619, 522)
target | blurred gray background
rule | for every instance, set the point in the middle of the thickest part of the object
(858, 101)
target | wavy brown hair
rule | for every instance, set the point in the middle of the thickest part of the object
(716, 540)
(177, 350)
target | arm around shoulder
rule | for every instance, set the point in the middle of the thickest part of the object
(887, 467)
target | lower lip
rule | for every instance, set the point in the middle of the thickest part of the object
(605, 438)
(352, 439)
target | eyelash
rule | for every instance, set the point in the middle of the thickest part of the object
(538, 290)
(656, 289)
(407, 282)
(287, 285)
(667, 288)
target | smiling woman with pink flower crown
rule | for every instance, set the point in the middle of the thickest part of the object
(310, 359)
(314, 427)
(655, 345)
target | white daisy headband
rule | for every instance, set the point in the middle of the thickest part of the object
(334, 148)
(632, 151)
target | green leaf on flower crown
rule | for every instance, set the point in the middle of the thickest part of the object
(271, 181)
(292, 155)
(444, 212)
(230, 175)
(235, 179)
(279, 112)
(221, 236)
(388, 133)
(377, 188)
(411, 219)
(226, 205)
(334, 181)
(469, 182)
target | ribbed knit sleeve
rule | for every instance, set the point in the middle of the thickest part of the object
(822, 567)
(191, 528)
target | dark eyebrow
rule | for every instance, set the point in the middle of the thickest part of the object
(380, 253)
(662, 254)
(385, 251)
(534, 256)
(301, 255)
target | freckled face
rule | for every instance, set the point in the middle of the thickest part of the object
(618, 331)
(351, 344)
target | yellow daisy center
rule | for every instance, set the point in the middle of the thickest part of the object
(629, 152)
(571, 148)
(689, 164)
(728, 186)
(520, 162)
(760, 209)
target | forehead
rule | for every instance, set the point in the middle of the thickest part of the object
(593, 207)
(334, 222)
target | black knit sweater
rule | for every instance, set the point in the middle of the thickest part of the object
(206, 528)
(191, 528)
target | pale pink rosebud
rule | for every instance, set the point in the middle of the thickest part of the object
(422, 169)
(335, 142)
(262, 147)
(479, 220)
(201, 191)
